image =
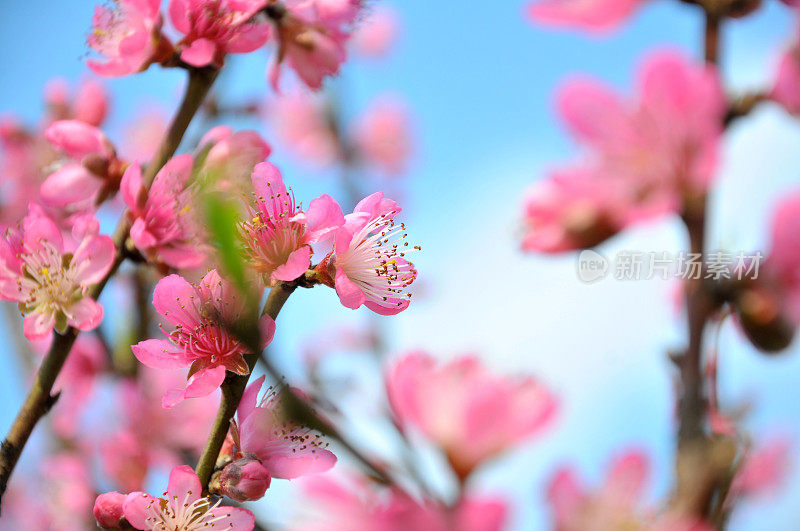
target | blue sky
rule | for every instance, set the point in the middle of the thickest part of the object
(480, 81)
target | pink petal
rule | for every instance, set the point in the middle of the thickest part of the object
(131, 187)
(248, 38)
(237, 518)
(39, 228)
(627, 477)
(136, 510)
(565, 494)
(266, 326)
(160, 354)
(174, 298)
(323, 217)
(85, 314)
(590, 109)
(204, 382)
(182, 256)
(184, 485)
(178, 14)
(296, 264)
(349, 293)
(77, 139)
(270, 189)
(142, 238)
(396, 306)
(38, 326)
(249, 399)
(293, 464)
(93, 258)
(70, 184)
(199, 53)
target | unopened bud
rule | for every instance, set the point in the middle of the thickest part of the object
(108, 510)
(245, 479)
(764, 319)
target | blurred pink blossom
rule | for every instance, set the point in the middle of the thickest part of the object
(49, 284)
(213, 28)
(183, 507)
(471, 414)
(232, 156)
(143, 135)
(199, 338)
(128, 36)
(377, 33)
(68, 489)
(164, 225)
(764, 469)
(786, 87)
(302, 125)
(89, 103)
(383, 136)
(590, 15)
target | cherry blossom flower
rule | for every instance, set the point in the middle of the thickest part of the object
(213, 28)
(784, 255)
(49, 283)
(786, 88)
(470, 413)
(200, 337)
(277, 236)
(285, 449)
(90, 164)
(244, 479)
(231, 157)
(616, 504)
(67, 487)
(164, 225)
(108, 510)
(183, 508)
(128, 35)
(350, 502)
(375, 35)
(368, 265)
(383, 136)
(312, 35)
(590, 15)
(89, 103)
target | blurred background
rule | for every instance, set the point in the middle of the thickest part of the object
(478, 84)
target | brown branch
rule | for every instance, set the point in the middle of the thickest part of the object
(39, 399)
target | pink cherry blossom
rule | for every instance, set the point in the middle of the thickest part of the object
(786, 88)
(285, 449)
(350, 502)
(23, 157)
(383, 136)
(68, 490)
(231, 157)
(213, 28)
(49, 284)
(368, 264)
(244, 479)
(590, 15)
(616, 504)
(164, 225)
(183, 508)
(128, 36)
(200, 338)
(312, 38)
(375, 36)
(470, 413)
(278, 235)
(301, 123)
(108, 509)
(89, 103)
(782, 262)
(144, 134)
(89, 164)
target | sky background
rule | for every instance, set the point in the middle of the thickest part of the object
(480, 82)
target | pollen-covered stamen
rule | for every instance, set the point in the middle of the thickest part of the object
(375, 261)
(286, 434)
(170, 514)
(49, 279)
(110, 28)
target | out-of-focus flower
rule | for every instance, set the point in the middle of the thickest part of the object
(164, 226)
(23, 157)
(763, 470)
(590, 15)
(615, 505)
(183, 507)
(231, 157)
(90, 165)
(312, 35)
(125, 458)
(302, 125)
(129, 36)
(89, 104)
(108, 510)
(68, 490)
(75, 382)
(350, 502)
(143, 135)
(783, 262)
(368, 265)
(49, 283)
(286, 449)
(786, 87)
(277, 236)
(375, 35)
(244, 479)
(200, 315)
(471, 414)
(383, 136)
(213, 28)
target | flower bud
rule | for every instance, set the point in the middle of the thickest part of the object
(108, 510)
(763, 319)
(244, 479)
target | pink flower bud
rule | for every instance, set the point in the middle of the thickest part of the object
(108, 509)
(244, 479)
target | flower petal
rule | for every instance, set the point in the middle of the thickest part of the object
(85, 314)
(184, 485)
(349, 293)
(160, 354)
(199, 53)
